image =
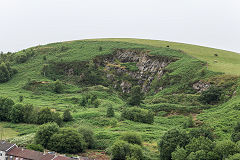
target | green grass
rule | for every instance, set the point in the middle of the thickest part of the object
(177, 93)
(226, 61)
(6, 133)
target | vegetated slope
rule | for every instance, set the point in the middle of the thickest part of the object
(109, 70)
(226, 61)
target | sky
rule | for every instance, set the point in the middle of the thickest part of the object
(211, 23)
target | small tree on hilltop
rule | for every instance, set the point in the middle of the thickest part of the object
(136, 96)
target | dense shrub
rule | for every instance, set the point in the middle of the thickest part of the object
(211, 96)
(179, 154)
(138, 115)
(110, 111)
(122, 150)
(16, 113)
(67, 140)
(45, 132)
(170, 141)
(58, 87)
(35, 147)
(88, 136)
(236, 133)
(6, 72)
(67, 116)
(203, 131)
(132, 137)
(136, 96)
(45, 115)
(90, 101)
(234, 157)
(226, 148)
(6, 105)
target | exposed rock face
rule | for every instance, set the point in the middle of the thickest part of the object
(201, 86)
(146, 68)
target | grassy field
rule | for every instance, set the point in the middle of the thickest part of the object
(6, 133)
(226, 61)
(189, 68)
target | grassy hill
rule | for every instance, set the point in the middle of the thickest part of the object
(226, 61)
(172, 97)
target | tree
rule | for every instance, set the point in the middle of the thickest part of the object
(16, 114)
(88, 136)
(203, 131)
(122, 150)
(29, 114)
(45, 115)
(67, 140)
(136, 96)
(6, 105)
(45, 132)
(179, 154)
(234, 157)
(4, 73)
(200, 143)
(131, 137)
(211, 96)
(226, 148)
(67, 116)
(110, 111)
(58, 86)
(138, 115)
(236, 133)
(170, 141)
(35, 147)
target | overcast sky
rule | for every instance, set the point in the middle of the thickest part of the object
(212, 23)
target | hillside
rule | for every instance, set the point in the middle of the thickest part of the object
(95, 74)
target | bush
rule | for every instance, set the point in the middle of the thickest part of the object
(16, 114)
(6, 105)
(211, 96)
(45, 115)
(58, 86)
(45, 132)
(67, 116)
(122, 150)
(203, 131)
(132, 138)
(200, 143)
(88, 136)
(179, 154)
(110, 111)
(138, 115)
(6, 72)
(236, 133)
(20, 98)
(226, 148)
(67, 140)
(234, 157)
(21, 58)
(35, 147)
(189, 123)
(170, 141)
(136, 96)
